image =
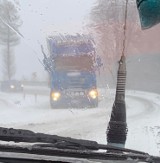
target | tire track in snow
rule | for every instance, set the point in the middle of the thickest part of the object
(148, 108)
(87, 123)
(138, 138)
(79, 125)
(147, 104)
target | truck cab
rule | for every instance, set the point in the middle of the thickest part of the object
(72, 69)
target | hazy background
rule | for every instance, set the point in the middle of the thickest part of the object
(41, 18)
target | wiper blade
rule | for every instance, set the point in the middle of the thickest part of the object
(69, 153)
(64, 146)
(53, 145)
(54, 141)
(19, 135)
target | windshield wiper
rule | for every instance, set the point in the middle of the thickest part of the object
(86, 154)
(53, 145)
(19, 135)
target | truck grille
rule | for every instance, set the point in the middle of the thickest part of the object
(74, 93)
(76, 83)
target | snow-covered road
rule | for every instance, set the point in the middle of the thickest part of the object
(34, 113)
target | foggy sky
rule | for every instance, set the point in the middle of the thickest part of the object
(41, 17)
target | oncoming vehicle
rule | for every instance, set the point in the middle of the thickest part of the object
(11, 86)
(72, 70)
(125, 127)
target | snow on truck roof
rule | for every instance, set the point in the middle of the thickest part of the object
(70, 39)
(70, 44)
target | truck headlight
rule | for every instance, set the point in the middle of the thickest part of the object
(12, 86)
(93, 93)
(55, 96)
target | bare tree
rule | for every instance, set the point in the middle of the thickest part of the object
(108, 18)
(9, 24)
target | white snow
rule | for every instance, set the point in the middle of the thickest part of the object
(34, 113)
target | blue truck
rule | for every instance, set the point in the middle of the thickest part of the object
(72, 66)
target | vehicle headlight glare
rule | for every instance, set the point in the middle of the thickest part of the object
(93, 94)
(12, 86)
(55, 96)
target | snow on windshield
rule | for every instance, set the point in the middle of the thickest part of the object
(39, 101)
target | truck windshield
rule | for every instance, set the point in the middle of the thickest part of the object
(74, 63)
(73, 49)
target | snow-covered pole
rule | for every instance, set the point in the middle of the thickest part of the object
(117, 128)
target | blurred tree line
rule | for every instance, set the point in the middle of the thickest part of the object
(9, 24)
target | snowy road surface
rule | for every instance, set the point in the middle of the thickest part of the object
(33, 112)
